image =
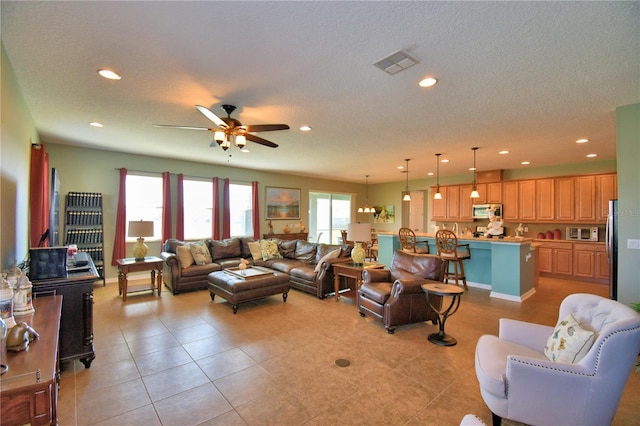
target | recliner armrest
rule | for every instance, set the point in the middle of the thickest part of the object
(376, 275)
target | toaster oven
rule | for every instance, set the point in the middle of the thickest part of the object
(578, 233)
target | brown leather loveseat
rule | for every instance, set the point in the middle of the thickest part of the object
(394, 296)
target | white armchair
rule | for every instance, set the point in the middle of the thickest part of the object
(518, 382)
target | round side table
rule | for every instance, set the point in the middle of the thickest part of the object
(443, 290)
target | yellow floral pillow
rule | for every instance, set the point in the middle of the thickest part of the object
(269, 250)
(200, 253)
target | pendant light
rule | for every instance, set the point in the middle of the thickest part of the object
(407, 194)
(366, 208)
(474, 192)
(437, 195)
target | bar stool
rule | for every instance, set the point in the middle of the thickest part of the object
(451, 252)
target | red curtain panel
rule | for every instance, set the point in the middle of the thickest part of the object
(166, 206)
(226, 216)
(38, 194)
(215, 211)
(180, 212)
(255, 210)
(119, 247)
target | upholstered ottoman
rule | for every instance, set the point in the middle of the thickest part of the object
(236, 288)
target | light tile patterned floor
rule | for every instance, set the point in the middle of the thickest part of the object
(185, 360)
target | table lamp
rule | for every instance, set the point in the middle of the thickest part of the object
(358, 233)
(140, 229)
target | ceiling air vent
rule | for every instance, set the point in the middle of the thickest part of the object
(396, 62)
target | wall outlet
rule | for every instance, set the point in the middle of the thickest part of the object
(633, 244)
(526, 229)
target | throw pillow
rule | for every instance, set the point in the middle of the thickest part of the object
(254, 247)
(331, 255)
(200, 253)
(185, 256)
(569, 342)
(269, 250)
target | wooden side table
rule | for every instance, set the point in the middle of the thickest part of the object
(150, 263)
(441, 338)
(29, 389)
(350, 270)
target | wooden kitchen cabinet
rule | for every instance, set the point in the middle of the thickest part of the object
(452, 199)
(606, 189)
(438, 207)
(494, 193)
(556, 258)
(510, 200)
(545, 259)
(545, 199)
(527, 200)
(466, 203)
(591, 262)
(602, 266)
(565, 199)
(583, 261)
(585, 199)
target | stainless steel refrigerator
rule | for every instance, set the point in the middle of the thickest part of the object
(612, 248)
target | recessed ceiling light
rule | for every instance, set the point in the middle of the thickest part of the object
(444, 160)
(111, 75)
(472, 169)
(305, 128)
(430, 174)
(503, 152)
(244, 150)
(592, 155)
(96, 124)
(525, 163)
(427, 82)
(582, 141)
(400, 167)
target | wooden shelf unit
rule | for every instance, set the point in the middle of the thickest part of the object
(84, 226)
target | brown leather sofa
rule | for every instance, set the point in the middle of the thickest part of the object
(394, 296)
(299, 260)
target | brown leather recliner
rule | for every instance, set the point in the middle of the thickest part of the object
(394, 296)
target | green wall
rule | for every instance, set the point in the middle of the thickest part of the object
(17, 134)
(628, 152)
(91, 170)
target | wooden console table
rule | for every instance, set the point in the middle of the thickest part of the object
(29, 389)
(289, 236)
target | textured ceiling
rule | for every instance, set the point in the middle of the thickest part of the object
(530, 77)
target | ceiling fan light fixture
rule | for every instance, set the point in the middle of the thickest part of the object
(219, 137)
(241, 141)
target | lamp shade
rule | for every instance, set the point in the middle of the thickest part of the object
(140, 228)
(359, 232)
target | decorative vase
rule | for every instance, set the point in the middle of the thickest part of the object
(358, 254)
(286, 229)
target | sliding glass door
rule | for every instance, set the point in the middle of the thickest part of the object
(328, 215)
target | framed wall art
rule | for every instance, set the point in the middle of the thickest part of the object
(282, 203)
(384, 214)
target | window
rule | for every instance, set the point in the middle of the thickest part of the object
(241, 209)
(328, 214)
(144, 201)
(198, 202)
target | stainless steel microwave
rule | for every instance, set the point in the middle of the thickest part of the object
(582, 233)
(481, 211)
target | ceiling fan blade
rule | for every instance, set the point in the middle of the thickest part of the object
(182, 127)
(211, 116)
(266, 127)
(257, 139)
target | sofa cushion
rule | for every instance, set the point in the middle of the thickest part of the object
(306, 251)
(200, 253)
(323, 249)
(569, 342)
(287, 248)
(225, 248)
(305, 271)
(269, 250)
(184, 254)
(331, 255)
(245, 251)
(232, 262)
(287, 265)
(254, 247)
(171, 244)
(200, 270)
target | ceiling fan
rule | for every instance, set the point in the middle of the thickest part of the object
(230, 130)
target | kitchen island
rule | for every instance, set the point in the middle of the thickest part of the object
(506, 266)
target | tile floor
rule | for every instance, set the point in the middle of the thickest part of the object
(185, 360)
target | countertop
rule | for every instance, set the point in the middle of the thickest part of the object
(520, 240)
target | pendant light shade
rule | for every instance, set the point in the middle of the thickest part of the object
(474, 192)
(366, 208)
(407, 194)
(437, 195)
